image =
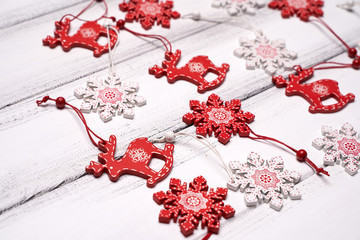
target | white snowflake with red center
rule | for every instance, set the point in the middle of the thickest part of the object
(340, 146)
(236, 7)
(264, 181)
(138, 155)
(261, 52)
(221, 118)
(192, 205)
(108, 97)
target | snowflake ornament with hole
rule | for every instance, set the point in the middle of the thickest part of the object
(301, 8)
(236, 7)
(260, 51)
(192, 205)
(149, 12)
(221, 118)
(340, 146)
(109, 97)
(264, 181)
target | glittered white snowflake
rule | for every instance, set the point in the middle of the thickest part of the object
(139, 155)
(235, 7)
(340, 146)
(109, 96)
(260, 51)
(264, 180)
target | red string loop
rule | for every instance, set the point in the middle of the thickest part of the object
(307, 160)
(162, 39)
(337, 65)
(86, 8)
(60, 103)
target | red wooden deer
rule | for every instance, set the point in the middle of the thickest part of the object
(135, 160)
(85, 37)
(193, 71)
(314, 92)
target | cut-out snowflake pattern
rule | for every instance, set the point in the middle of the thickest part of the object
(260, 51)
(236, 7)
(109, 97)
(149, 12)
(340, 146)
(192, 205)
(301, 8)
(264, 181)
(138, 155)
(221, 118)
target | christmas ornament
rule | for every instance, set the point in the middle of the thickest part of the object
(194, 71)
(136, 159)
(340, 146)
(193, 204)
(149, 12)
(271, 55)
(301, 8)
(109, 96)
(236, 7)
(85, 37)
(314, 92)
(264, 181)
(225, 119)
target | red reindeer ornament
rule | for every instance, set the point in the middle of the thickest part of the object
(194, 71)
(86, 37)
(135, 161)
(314, 92)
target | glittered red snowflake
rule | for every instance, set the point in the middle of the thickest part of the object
(221, 118)
(301, 8)
(149, 12)
(192, 205)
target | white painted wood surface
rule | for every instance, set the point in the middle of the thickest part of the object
(44, 192)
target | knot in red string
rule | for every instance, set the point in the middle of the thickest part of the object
(44, 100)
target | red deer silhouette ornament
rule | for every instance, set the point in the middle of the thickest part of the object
(135, 160)
(314, 92)
(85, 37)
(193, 71)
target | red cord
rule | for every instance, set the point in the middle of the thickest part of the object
(207, 236)
(86, 8)
(60, 103)
(307, 160)
(339, 65)
(319, 20)
(163, 39)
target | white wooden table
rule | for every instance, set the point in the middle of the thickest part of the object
(44, 191)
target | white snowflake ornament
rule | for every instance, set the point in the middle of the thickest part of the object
(260, 51)
(340, 146)
(236, 7)
(109, 96)
(264, 181)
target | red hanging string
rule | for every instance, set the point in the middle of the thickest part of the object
(301, 154)
(86, 8)
(207, 236)
(164, 40)
(337, 65)
(351, 51)
(60, 104)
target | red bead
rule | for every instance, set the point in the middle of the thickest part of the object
(352, 52)
(301, 155)
(356, 64)
(120, 24)
(60, 102)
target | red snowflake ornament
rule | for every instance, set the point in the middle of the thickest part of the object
(194, 71)
(222, 119)
(85, 37)
(135, 160)
(193, 204)
(314, 92)
(301, 8)
(148, 12)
